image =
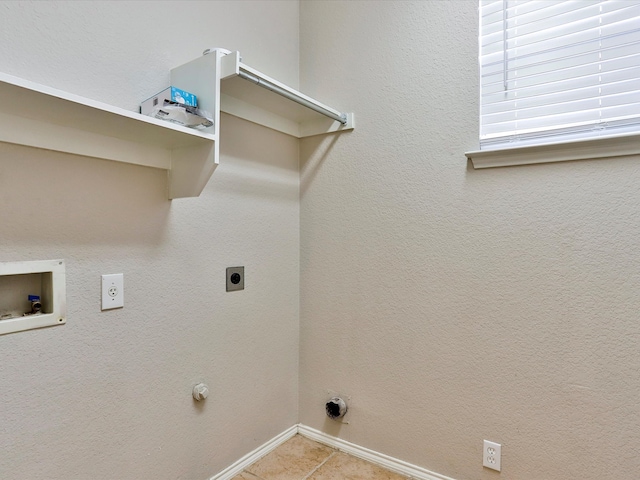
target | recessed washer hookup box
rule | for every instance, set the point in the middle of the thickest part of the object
(171, 94)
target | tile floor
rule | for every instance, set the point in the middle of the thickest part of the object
(302, 459)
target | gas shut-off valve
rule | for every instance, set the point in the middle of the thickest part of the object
(200, 392)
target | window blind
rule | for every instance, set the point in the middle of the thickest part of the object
(558, 70)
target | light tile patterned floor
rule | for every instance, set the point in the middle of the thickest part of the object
(302, 459)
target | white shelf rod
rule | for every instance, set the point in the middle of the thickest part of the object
(264, 83)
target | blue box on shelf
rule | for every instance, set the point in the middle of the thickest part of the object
(170, 94)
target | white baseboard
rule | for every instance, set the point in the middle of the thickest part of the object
(230, 472)
(385, 461)
(390, 463)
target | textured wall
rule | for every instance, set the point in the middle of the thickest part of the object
(108, 395)
(451, 304)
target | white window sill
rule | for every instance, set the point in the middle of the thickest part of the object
(601, 147)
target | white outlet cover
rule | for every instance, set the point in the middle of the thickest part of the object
(491, 455)
(112, 291)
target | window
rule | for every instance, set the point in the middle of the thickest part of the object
(556, 71)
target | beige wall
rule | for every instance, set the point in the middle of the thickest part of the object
(452, 305)
(456, 305)
(108, 395)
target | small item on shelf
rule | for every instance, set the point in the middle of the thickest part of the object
(182, 115)
(170, 94)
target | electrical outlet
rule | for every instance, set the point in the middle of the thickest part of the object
(235, 279)
(112, 291)
(491, 454)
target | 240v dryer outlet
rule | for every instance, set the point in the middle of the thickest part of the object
(112, 291)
